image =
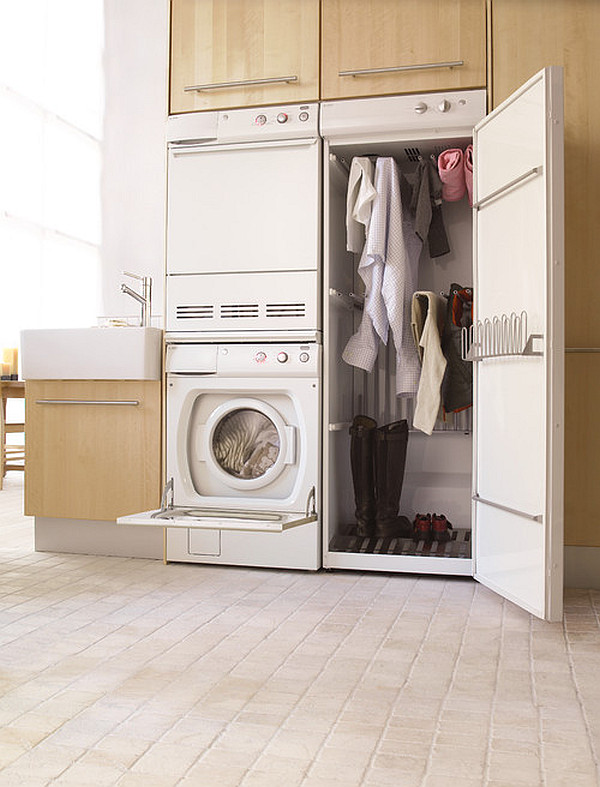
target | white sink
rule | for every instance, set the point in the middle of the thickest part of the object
(91, 354)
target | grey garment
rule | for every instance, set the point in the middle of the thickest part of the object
(426, 206)
(457, 385)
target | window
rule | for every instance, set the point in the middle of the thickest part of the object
(51, 105)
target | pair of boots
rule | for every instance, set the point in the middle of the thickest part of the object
(378, 458)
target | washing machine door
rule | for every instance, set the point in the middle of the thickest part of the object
(245, 444)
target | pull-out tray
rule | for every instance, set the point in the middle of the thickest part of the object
(219, 519)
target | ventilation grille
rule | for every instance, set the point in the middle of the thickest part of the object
(286, 310)
(205, 312)
(235, 311)
(412, 154)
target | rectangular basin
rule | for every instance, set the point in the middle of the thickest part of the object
(91, 354)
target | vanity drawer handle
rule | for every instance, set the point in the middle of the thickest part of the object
(131, 402)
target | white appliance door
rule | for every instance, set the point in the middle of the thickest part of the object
(518, 462)
(243, 207)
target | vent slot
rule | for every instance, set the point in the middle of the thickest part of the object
(235, 311)
(286, 309)
(198, 312)
(412, 154)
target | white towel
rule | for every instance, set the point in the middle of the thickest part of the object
(359, 202)
(434, 362)
(388, 267)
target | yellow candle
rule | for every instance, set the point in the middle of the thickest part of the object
(10, 355)
(5, 369)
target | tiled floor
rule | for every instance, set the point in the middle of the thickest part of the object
(127, 672)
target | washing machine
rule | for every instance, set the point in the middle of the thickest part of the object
(243, 455)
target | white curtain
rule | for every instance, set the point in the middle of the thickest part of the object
(51, 105)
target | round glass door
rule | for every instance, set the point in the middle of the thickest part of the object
(246, 444)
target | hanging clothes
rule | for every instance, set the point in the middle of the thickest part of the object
(426, 207)
(388, 268)
(359, 202)
(428, 311)
(452, 173)
(457, 385)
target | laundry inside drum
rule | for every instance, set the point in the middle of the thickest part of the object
(246, 443)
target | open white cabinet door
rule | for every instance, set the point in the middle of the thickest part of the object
(518, 347)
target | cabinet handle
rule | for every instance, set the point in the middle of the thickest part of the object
(393, 69)
(239, 83)
(130, 402)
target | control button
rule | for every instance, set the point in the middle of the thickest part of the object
(421, 108)
(303, 116)
(260, 357)
(260, 120)
(444, 105)
(282, 117)
(304, 357)
(282, 357)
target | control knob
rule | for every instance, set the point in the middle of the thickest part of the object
(421, 108)
(282, 357)
(260, 357)
(444, 105)
(304, 357)
(282, 117)
(260, 120)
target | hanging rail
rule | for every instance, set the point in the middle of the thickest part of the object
(502, 336)
(350, 300)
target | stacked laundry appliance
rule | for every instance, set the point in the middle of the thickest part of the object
(243, 333)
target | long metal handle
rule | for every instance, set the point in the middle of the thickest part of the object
(582, 349)
(511, 184)
(534, 517)
(418, 67)
(190, 150)
(129, 402)
(239, 83)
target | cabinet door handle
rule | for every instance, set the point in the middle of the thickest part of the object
(239, 83)
(393, 69)
(129, 402)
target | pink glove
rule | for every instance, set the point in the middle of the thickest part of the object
(469, 172)
(452, 174)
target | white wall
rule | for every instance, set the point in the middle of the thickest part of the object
(134, 162)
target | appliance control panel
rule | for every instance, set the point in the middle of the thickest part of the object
(270, 359)
(295, 121)
(251, 360)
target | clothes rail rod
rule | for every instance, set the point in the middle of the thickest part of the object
(239, 83)
(394, 69)
(534, 517)
(129, 402)
(582, 349)
(511, 184)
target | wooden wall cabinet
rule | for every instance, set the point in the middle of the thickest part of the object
(218, 43)
(397, 38)
(525, 37)
(92, 460)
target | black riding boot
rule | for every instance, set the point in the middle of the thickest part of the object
(362, 442)
(391, 442)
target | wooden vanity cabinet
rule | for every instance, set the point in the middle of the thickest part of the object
(379, 47)
(93, 448)
(525, 37)
(246, 53)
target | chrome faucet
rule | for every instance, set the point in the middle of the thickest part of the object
(145, 299)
